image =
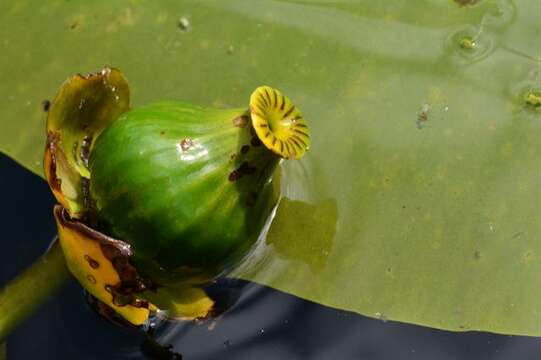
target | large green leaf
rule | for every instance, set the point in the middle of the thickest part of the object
(420, 198)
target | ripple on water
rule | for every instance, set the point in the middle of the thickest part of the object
(526, 94)
(468, 44)
(501, 13)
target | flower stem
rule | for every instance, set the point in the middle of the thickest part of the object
(20, 297)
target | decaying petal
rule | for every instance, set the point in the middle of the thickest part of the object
(278, 123)
(182, 302)
(101, 264)
(82, 109)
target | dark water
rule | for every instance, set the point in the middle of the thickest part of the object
(262, 324)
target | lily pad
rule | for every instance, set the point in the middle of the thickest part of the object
(424, 162)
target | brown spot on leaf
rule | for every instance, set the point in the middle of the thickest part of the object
(118, 253)
(234, 175)
(93, 263)
(244, 149)
(241, 121)
(422, 116)
(186, 144)
(244, 169)
(466, 2)
(45, 105)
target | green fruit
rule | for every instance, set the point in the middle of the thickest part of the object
(190, 187)
(156, 201)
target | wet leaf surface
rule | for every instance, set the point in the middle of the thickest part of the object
(423, 132)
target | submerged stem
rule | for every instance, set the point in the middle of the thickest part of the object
(20, 297)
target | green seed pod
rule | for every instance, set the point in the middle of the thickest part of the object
(190, 187)
(158, 200)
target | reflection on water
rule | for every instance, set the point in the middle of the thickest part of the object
(309, 237)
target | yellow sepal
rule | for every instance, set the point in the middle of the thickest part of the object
(84, 106)
(182, 302)
(95, 260)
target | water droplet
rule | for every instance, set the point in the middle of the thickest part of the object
(381, 316)
(183, 24)
(467, 43)
(262, 331)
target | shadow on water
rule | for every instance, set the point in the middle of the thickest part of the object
(261, 322)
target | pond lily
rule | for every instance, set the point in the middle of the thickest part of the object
(155, 202)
